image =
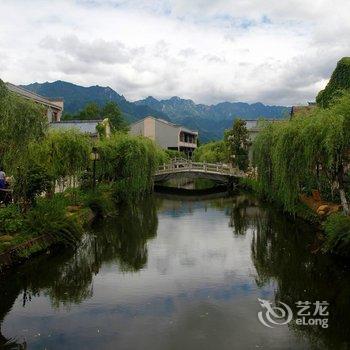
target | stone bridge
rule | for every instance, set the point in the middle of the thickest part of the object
(220, 173)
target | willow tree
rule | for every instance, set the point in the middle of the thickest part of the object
(62, 152)
(292, 157)
(57, 155)
(21, 121)
(128, 161)
(237, 142)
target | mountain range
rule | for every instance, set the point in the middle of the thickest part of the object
(209, 120)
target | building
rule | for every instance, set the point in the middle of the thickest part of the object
(167, 135)
(54, 106)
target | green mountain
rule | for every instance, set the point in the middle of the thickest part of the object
(340, 81)
(212, 120)
(76, 97)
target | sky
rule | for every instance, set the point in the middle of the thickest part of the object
(279, 52)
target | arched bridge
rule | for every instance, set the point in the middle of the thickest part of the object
(221, 173)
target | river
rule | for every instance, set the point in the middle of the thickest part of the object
(181, 273)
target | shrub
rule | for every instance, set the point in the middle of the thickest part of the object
(337, 229)
(50, 217)
(171, 154)
(30, 181)
(212, 152)
(11, 220)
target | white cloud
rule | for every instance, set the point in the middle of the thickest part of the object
(277, 52)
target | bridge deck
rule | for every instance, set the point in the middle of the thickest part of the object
(184, 166)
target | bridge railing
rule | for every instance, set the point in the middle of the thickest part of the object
(181, 165)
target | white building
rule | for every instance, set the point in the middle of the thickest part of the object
(167, 135)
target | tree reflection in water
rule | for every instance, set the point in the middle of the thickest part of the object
(281, 252)
(66, 276)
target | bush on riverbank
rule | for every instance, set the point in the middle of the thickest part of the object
(47, 216)
(337, 230)
(50, 216)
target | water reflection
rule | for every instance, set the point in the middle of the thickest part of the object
(282, 252)
(66, 277)
(179, 273)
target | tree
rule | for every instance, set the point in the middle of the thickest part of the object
(90, 112)
(212, 152)
(337, 85)
(21, 121)
(112, 112)
(237, 143)
(311, 151)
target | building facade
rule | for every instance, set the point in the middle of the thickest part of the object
(54, 107)
(167, 135)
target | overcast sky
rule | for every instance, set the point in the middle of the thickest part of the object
(272, 51)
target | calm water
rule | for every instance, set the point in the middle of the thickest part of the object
(178, 273)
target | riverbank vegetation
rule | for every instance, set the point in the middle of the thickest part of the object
(306, 154)
(309, 152)
(96, 174)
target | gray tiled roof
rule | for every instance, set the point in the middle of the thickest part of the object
(85, 126)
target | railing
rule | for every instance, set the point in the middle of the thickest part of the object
(183, 165)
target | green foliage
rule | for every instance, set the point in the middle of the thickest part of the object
(100, 200)
(110, 111)
(212, 152)
(113, 114)
(90, 111)
(337, 85)
(337, 229)
(308, 152)
(11, 220)
(59, 154)
(62, 152)
(31, 180)
(162, 156)
(237, 143)
(171, 154)
(129, 162)
(21, 121)
(49, 216)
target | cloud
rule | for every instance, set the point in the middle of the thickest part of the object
(276, 52)
(95, 51)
